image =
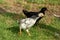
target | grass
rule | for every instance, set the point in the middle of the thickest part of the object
(9, 26)
(9, 29)
(53, 2)
(1, 1)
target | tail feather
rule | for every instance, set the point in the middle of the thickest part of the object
(25, 12)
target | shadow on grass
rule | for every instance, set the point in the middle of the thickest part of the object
(14, 16)
(14, 29)
(48, 27)
(50, 31)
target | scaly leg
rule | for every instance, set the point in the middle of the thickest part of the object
(20, 32)
(28, 32)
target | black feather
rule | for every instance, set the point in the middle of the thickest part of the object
(30, 14)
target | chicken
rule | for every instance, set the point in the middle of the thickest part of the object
(27, 23)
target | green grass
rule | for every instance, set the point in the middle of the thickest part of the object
(1, 1)
(9, 29)
(53, 2)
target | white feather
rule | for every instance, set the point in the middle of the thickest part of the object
(27, 22)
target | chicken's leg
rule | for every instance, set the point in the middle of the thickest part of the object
(28, 32)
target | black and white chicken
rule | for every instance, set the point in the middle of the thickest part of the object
(32, 18)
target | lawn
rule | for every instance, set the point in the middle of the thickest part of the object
(44, 30)
(54, 2)
(9, 29)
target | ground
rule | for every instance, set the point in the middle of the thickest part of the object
(48, 28)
